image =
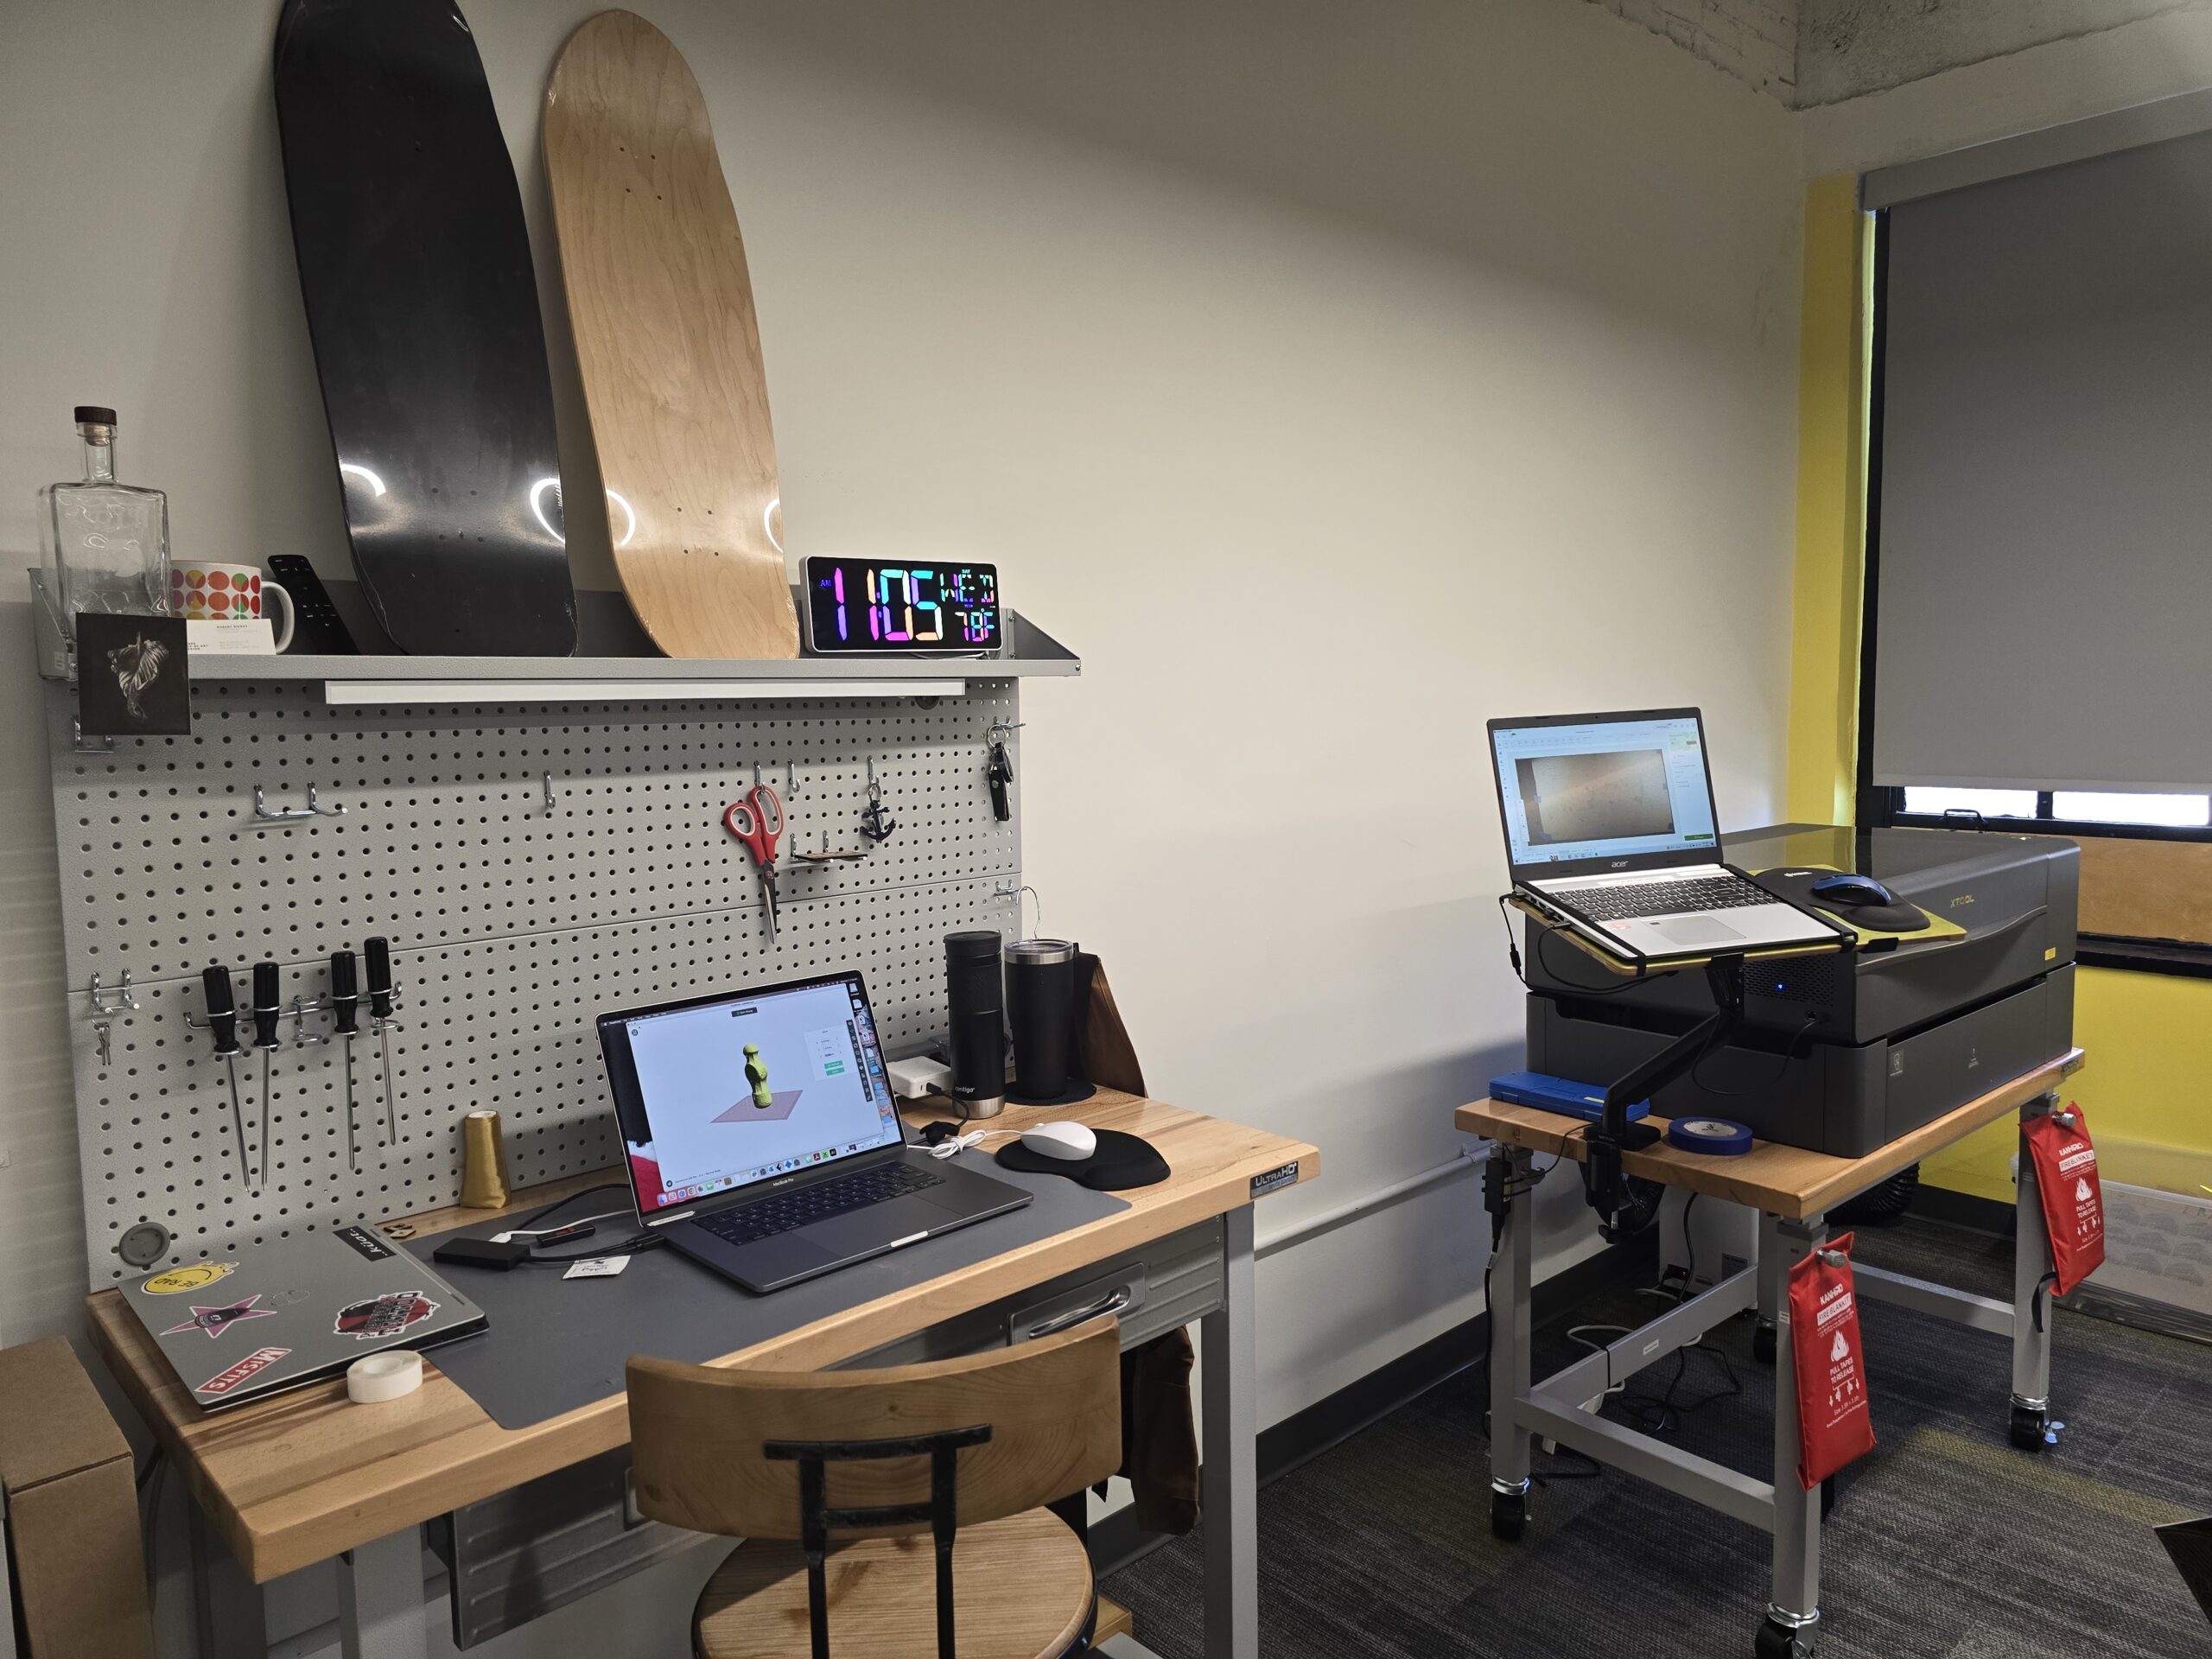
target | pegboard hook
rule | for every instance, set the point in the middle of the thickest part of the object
(106, 1004)
(874, 824)
(265, 814)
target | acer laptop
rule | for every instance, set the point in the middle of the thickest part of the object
(1610, 831)
(762, 1139)
(293, 1311)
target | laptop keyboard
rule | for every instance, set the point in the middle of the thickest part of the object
(744, 1223)
(1641, 899)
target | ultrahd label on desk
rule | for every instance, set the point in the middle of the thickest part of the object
(1269, 1180)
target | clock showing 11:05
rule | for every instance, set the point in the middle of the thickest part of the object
(863, 605)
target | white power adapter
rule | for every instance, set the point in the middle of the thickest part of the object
(918, 1075)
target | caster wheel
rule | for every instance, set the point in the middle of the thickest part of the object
(1509, 1515)
(2031, 1430)
(1762, 1345)
(1780, 1642)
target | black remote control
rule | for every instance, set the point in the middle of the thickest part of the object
(318, 631)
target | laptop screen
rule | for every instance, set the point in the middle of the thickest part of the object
(1601, 788)
(728, 1090)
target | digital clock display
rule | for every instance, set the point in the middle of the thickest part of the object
(865, 606)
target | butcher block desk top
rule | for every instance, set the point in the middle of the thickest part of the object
(1786, 1181)
(300, 1477)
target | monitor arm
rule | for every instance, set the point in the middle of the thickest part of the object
(1622, 1212)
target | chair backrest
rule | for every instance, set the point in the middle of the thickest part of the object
(697, 1434)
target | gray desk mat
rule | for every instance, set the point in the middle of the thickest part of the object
(555, 1344)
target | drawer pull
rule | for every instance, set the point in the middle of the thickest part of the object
(1113, 1302)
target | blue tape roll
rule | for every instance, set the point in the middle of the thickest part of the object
(1711, 1134)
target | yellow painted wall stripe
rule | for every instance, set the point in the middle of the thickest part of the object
(1831, 375)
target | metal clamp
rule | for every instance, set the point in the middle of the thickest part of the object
(108, 1001)
(265, 813)
(1833, 1258)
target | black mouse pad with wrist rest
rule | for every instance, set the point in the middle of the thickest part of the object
(1795, 885)
(1119, 1162)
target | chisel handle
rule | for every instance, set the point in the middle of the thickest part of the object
(345, 992)
(378, 952)
(222, 1012)
(265, 1009)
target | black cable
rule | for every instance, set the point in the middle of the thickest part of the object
(1544, 934)
(635, 1245)
(544, 1211)
(1788, 1054)
(1689, 1250)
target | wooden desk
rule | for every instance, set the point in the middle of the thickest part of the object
(1792, 1190)
(1777, 1180)
(302, 1477)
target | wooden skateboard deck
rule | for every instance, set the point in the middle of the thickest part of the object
(421, 300)
(661, 305)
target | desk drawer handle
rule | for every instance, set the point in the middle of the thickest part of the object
(1114, 1302)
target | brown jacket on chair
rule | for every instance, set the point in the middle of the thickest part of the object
(1160, 1444)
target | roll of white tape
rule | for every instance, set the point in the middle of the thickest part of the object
(382, 1376)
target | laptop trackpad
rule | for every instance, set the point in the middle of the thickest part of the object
(1698, 930)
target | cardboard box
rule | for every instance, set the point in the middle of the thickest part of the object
(72, 1511)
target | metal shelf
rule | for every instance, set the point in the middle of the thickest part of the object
(621, 665)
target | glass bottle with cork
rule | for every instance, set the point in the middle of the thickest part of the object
(109, 542)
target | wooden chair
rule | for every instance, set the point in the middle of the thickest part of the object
(975, 1446)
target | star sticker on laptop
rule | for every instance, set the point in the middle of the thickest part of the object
(216, 1320)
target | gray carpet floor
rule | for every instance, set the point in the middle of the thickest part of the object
(1945, 1543)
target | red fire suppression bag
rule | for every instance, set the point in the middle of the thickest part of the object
(2073, 1197)
(1833, 1426)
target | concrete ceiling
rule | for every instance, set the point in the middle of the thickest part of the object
(1805, 53)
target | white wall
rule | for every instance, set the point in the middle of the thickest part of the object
(1202, 322)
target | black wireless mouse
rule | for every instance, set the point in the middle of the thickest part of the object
(1848, 889)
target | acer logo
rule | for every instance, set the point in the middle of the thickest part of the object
(1620, 863)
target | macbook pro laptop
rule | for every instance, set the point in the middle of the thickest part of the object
(762, 1139)
(1610, 831)
(293, 1311)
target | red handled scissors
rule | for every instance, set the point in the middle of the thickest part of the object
(758, 821)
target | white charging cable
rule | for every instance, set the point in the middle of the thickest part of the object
(512, 1234)
(960, 1143)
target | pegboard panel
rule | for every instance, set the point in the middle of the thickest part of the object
(516, 916)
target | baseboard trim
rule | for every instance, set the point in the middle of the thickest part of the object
(1117, 1540)
(1964, 1210)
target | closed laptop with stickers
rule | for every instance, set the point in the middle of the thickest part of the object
(294, 1312)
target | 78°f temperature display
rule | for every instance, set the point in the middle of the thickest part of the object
(864, 605)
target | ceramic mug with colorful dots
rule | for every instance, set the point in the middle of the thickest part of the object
(202, 591)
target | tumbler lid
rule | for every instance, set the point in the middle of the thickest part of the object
(976, 944)
(1037, 953)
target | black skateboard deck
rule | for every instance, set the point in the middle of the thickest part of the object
(422, 305)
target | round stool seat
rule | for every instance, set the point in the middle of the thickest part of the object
(1021, 1588)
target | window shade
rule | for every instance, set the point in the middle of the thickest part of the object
(2043, 587)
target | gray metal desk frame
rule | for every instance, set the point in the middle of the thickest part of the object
(384, 1598)
(1555, 1407)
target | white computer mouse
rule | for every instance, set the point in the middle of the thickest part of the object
(1063, 1140)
